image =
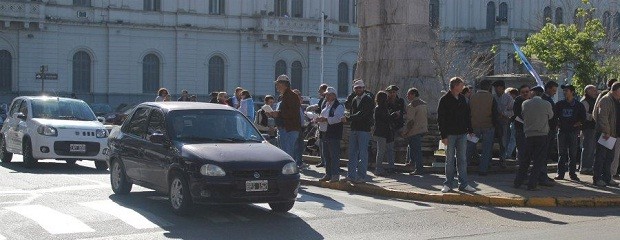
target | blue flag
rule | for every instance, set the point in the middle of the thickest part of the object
(528, 66)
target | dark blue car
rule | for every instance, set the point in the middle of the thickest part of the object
(200, 153)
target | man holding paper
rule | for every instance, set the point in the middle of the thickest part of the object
(606, 111)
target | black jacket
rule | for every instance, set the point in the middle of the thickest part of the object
(453, 115)
(360, 116)
(568, 114)
(398, 106)
(553, 122)
(517, 108)
(384, 124)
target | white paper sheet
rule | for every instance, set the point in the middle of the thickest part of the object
(609, 143)
(472, 138)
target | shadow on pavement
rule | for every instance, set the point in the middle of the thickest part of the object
(52, 167)
(523, 216)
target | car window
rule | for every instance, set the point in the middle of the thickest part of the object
(15, 107)
(61, 108)
(23, 108)
(156, 123)
(138, 123)
(207, 125)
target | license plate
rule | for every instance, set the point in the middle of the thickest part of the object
(256, 186)
(77, 148)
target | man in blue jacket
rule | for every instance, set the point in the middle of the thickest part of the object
(571, 115)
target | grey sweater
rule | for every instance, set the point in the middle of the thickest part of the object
(536, 114)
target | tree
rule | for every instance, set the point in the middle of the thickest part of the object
(570, 47)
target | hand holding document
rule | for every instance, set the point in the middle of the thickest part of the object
(472, 138)
(609, 143)
(267, 108)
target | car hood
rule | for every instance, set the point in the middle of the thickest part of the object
(68, 124)
(237, 155)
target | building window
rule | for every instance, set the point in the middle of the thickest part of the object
(434, 13)
(297, 76)
(216, 7)
(81, 3)
(343, 80)
(152, 5)
(343, 11)
(150, 73)
(216, 74)
(354, 70)
(503, 12)
(280, 70)
(559, 16)
(6, 71)
(354, 12)
(297, 9)
(547, 15)
(491, 15)
(607, 21)
(81, 72)
(280, 8)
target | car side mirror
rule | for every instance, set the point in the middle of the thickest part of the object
(20, 115)
(101, 119)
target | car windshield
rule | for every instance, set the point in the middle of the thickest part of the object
(211, 126)
(58, 108)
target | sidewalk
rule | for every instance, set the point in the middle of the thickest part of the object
(494, 189)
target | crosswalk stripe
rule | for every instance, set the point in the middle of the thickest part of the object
(2, 237)
(138, 220)
(333, 205)
(51, 220)
(393, 203)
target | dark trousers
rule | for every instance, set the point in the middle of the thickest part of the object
(534, 154)
(602, 162)
(520, 140)
(568, 142)
(331, 152)
(547, 152)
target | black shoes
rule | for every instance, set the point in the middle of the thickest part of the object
(574, 177)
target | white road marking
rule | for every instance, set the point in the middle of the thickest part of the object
(293, 213)
(51, 220)
(56, 189)
(2, 237)
(332, 205)
(393, 203)
(138, 220)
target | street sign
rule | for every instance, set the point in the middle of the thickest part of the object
(38, 76)
(46, 76)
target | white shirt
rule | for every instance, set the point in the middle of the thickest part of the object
(337, 118)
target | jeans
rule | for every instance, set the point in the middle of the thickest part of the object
(331, 153)
(414, 151)
(534, 153)
(358, 155)
(456, 153)
(383, 147)
(588, 145)
(568, 141)
(486, 136)
(602, 162)
(503, 128)
(299, 150)
(510, 148)
(287, 141)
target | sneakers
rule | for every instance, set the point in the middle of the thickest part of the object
(613, 183)
(334, 178)
(468, 189)
(446, 189)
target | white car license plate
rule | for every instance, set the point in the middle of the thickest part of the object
(77, 148)
(256, 186)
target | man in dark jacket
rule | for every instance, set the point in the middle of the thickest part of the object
(524, 94)
(287, 116)
(571, 115)
(454, 125)
(551, 88)
(360, 116)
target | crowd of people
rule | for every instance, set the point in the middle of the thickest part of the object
(523, 122)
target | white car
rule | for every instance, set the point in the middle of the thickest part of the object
(53, 128)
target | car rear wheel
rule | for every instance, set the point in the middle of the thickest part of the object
(71, 161)
(29, 160)
(281, 206)
(118, 178)
(180, 197)
(4, 154)
(101, 165)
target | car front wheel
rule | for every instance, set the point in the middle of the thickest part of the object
(118, 178)
(180, 197)
(281, 206)
(29, 160)
(4, 154)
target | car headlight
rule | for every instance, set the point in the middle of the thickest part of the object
(212, 170)
(101, 133)
(47, 130)
(290, 169)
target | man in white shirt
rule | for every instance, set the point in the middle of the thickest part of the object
(330, 127)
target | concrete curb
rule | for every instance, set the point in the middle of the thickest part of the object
(470, 199)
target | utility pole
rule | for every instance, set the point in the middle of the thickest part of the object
(322, 34)
(42, 71)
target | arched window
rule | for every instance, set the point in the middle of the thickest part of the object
(216, 74)
(547, 15)
(343, 11)
(297, 76)
(297, 9)
(354, 12)
(607, 21)
(280, 7)
(343, 80)
(150, 73)
(434, 13)
(152, 5)
(559, 16)
(280, 68)
(81, 72)
(491, 15)
(503, 12)
(354, 70)
(6, 70)
(217, 7)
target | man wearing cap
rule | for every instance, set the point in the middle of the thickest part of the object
(321, 91)
(570, 115)
(606, 112)
(536, 115)
(287, 116)
(588, 131)
(524, 94)
(416, 126)
(330, 128)
(360, 116)
(551, 88)
(396, 107)
(504, 109)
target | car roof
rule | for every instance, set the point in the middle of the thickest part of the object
(172, 106)
(48, 98)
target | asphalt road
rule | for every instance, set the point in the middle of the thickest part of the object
(59, 201)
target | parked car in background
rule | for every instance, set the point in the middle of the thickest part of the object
(101, 109)
(200, 153)
(53, 128)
